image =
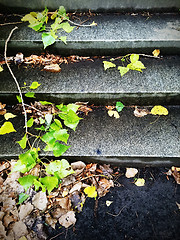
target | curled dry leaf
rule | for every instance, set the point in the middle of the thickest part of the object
(140, 112)
(108, 203)
(50, 221)
(2, 231)
(52, 68)
(113, 113)
(131, 172)
(68, 219)
(85, 109)
(156, 52)
(78, 165)
(64, 203)
(2, 109)
(178, 205)
(176, 174)
(76, 187)
(104, 186)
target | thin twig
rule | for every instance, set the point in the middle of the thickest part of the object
(140, 54)
(17, 84)
(79, 25)
(33, 108)
(10, 23)
(116, 215)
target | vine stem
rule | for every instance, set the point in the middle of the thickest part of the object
(140, 54)
(12, 74)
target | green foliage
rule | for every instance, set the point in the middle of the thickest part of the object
(22, 197)
(27, 181)
(26, 161)
(37, 21)
(30, 122)
(19, 98)
(134, 64)
(60, 169)
(119, 106)
(30, 95)
(49, 182)
(34, 85)
(45, 103)
(23, 142)
(38, 185)
(7, 127)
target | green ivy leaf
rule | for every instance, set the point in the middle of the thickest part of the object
(66, 27)
(136, 66)
(47, 39)
(58, 123)
(49, 182)
(108, 65)
(19, 99)
(42, 128)
(134, 58)
(23, 142)
(119, 106)
(29, 18)
(30, 122)
(27, 181)
(72, 107)
(62, 11)
(36, 26)
(26, 161)
(54, 127)
(60, 106)
(59, 149)
(48, 120)
(59, 167)
(22, 197)
(30, 95)
(61, 135)
(45, 103)
(7, 127)
(37, 185)
(70, 118)
(48, 137)
(34, 85)
(63, 39)
(123, 70)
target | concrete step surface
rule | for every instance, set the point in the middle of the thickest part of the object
(125, 141)
(88, 81)
(93, 5)
(114, 34)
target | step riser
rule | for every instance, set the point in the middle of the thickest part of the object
(93, 5)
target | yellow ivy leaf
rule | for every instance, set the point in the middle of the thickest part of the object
(91, 191)
(108, 65)
(23, 238)
(9, 115)
(140, 182)
(156, 52)
(159, 110)
(1, 69)
(93, 23)
(7, 127)
(113, 113)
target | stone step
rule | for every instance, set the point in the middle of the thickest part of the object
(125, 141)
(93, 5)
(115, 34)
(88, 81)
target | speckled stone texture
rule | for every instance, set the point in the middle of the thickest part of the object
(115, 33)
(128, 140)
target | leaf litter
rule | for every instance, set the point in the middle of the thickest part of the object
(62, 204)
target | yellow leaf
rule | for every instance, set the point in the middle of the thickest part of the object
(156, 52)
(93, 24)
(23, 238)
(175, 168)
(1, 69)
(7, 127)
(115, 113)
(108, 203)
(91, 191)
(159, 110)
(140, 182)
(9, 115)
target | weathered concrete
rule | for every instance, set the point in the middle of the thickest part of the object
(115, 34)
(128, 140)
(93, 5)
(159, 83)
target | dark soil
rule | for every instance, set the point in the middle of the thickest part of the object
(148, 212)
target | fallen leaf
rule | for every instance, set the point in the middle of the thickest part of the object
(50, 221)
(19, 58)
(108, 203)
(40, 201)
(176, 176)
(91, 191)
(113, 113)
(159, 110)
(7, 127)
(178, 205)
(52, 68)
(140, 182)
(108, 65)
(156, 52)
(76, 187)
(131, 172)
(93, 24)
(104, 186)
(175, 168)
(140, 112)
(76, 201)
(2, 109)
(68, 219)
(2, 231)
(64, 203)
(78, 165)
(22, 238)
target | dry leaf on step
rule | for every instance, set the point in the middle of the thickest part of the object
(113, 113)
(156, 52)
(140, 182)
(52, 68)
(131, 172)
(67, 219)
(140, 112)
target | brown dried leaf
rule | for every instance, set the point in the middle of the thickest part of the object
(141, 112)
(2, 109)
(78, 165)
(156, 52)
(58, 212)
(52, 68)
(76, 187)
(2, 231)
(176, 176)
(68, 219)
(50, 221)
(104, 186)
(85, 109)
(64, 203)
